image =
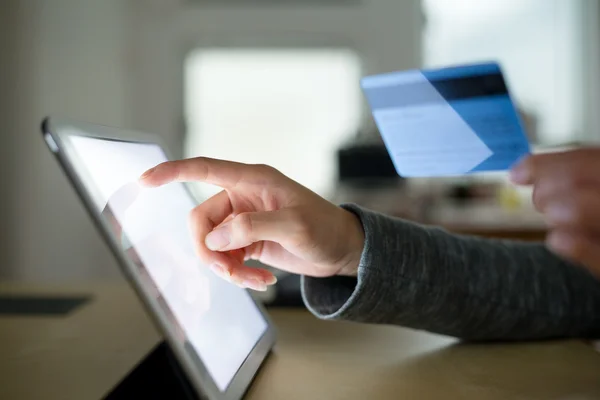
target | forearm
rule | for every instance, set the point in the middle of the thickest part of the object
(426, 278)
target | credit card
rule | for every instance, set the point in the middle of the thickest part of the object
(447, 122)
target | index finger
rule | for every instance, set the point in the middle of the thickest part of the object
(225, 174)
(577, 166)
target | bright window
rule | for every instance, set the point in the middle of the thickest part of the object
(289, 108)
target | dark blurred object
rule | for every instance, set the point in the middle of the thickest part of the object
(36, 305)
(463, 193)
(365, 164)
(288, 293)
(157, 376)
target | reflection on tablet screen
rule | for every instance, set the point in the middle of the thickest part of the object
(219, 320)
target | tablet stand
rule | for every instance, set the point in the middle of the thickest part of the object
(157, 376)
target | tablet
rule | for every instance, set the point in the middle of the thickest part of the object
(219, 334)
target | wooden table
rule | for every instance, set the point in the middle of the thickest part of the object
(82, 355)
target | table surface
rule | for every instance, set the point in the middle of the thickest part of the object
(82, 355)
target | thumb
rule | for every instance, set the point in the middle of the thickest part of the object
(247, 228)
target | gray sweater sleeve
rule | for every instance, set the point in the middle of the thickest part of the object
(471, 288)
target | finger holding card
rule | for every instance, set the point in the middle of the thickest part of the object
(566, 190)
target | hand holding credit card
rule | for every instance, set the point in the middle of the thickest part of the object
(447, 122)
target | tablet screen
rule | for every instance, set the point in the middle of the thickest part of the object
(217, 319)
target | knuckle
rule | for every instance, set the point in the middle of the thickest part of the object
(242, 225)
(200, 167)
(195, 214)
(267, 170)
(172, 169)
(301, 230)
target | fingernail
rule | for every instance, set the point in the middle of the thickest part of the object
(218, 239)
(255, 285)
(519, 174)
(271, 280)
(237, 281)
(147, 173)
(220, 271)
(557, 213)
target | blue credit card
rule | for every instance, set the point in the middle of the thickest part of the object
(447, 122)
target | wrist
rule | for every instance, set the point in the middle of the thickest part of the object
(354, 245)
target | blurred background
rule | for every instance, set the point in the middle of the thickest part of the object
(275, 82)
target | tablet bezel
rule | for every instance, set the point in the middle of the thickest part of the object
(55, 131)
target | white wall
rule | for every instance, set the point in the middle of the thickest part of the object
(119, 62)
(71, 59)
(9, 67)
